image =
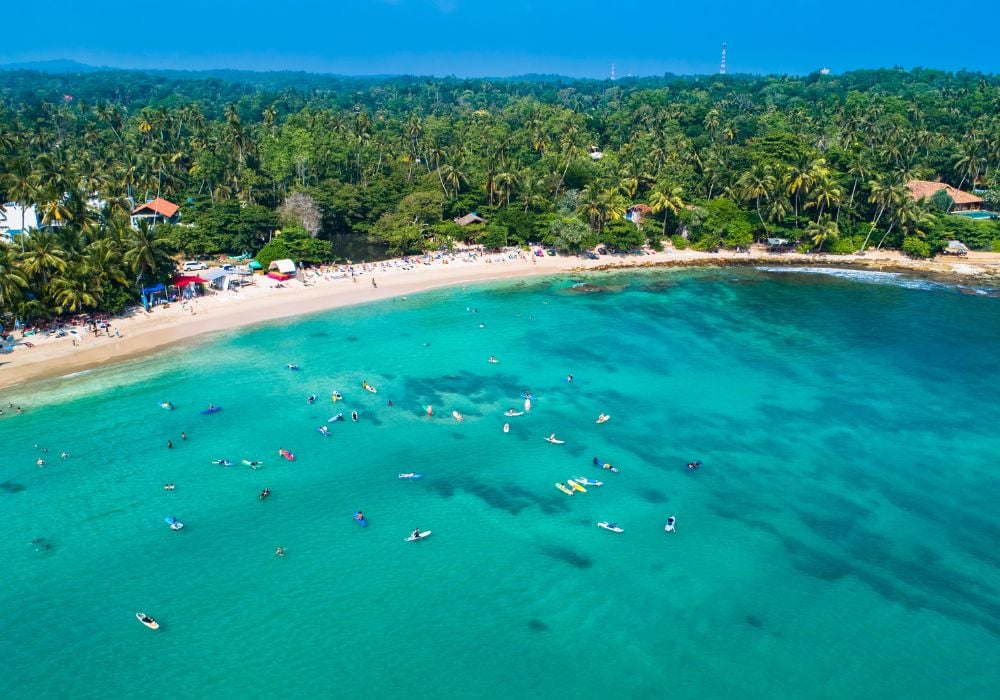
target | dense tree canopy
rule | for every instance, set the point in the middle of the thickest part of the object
(285, 163)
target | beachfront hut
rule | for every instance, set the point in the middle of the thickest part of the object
(155, 211)
(636, 213)
(925, 189)
(956, 248)
(778, 245)
(471, 218)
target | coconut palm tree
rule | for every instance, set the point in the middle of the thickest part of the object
(146, 255)
(757, 183)
(13, 281)
(42, 257)
(666, 198)
(823, 230)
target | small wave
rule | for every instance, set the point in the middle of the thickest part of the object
(75, 374)
(895, 279)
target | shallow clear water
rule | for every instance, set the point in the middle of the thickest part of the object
(839, 541)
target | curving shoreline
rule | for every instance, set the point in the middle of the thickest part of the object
(143, 332)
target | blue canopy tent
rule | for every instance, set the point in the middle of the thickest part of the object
(148, 295)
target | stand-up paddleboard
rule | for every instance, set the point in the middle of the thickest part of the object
(457, 416)
(575, 486)
(554, 441)
(425, 533)
(213, 409)
(671, 525)
(561, 487)
(506, 427)
(410, 475)
(613, 527)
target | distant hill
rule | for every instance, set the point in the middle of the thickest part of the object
(58, 65)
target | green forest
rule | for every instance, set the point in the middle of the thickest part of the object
(320, 168)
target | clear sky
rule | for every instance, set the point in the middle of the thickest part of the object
(507, 37)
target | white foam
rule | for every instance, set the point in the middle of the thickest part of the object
(866, 276)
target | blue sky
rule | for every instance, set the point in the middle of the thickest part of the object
(508, 37)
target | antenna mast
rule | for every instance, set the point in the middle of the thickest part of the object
(722, 65)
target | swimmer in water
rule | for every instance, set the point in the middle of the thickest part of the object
(64, 455)
(280, 551)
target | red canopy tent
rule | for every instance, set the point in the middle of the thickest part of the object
(184, 280)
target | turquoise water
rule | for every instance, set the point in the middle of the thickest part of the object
(839, 541)
(975, 214)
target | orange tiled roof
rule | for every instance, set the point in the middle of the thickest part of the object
(157, 206)
(926, 188)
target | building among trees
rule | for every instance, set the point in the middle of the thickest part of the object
(962, 201)
(155, 211)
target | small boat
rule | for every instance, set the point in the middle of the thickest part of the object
(168, 487)
(610, 526)
(173, 522)
(322, 430)
(671, 524)
(286, 454)
(335, 396)
(420, 536)
(512, 413)
(575, 486)
(252, 463)
(603, 418)
(587, 482)
(359, 518)
(147, 620)
(167, 405)
(457, 416)
(311, 399)
(552, 438)
(223, 462)
(264, 494)
(411, 475)
(567, 491)
(506, 427)
(211, 409)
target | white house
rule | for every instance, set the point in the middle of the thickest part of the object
(155, 211)
(15, 220)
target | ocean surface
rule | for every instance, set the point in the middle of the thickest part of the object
(840, 540)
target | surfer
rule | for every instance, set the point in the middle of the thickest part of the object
(64, 455)
(290, 366)
(493, 359)
(211, 407)
(354, 416)
(170, 444)
(311, 399)
(430, 410)
(280, 551)
(265, 493)
(359, 515)
(569, 377)
(694, 465)
(597, 462)
(184, 436)
(415, 534)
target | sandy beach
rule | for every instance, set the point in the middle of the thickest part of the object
(140, 332)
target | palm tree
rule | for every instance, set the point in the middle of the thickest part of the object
(756, 183)
(826, 193)
(75, 291)
(21, 184)
(665, 199)
(823, 230)
(146, 254)
(42, 257)
(12, 279)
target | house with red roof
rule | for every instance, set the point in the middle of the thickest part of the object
(925, 189)
(155, 211)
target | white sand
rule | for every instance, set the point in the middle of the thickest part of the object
(142, 332)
